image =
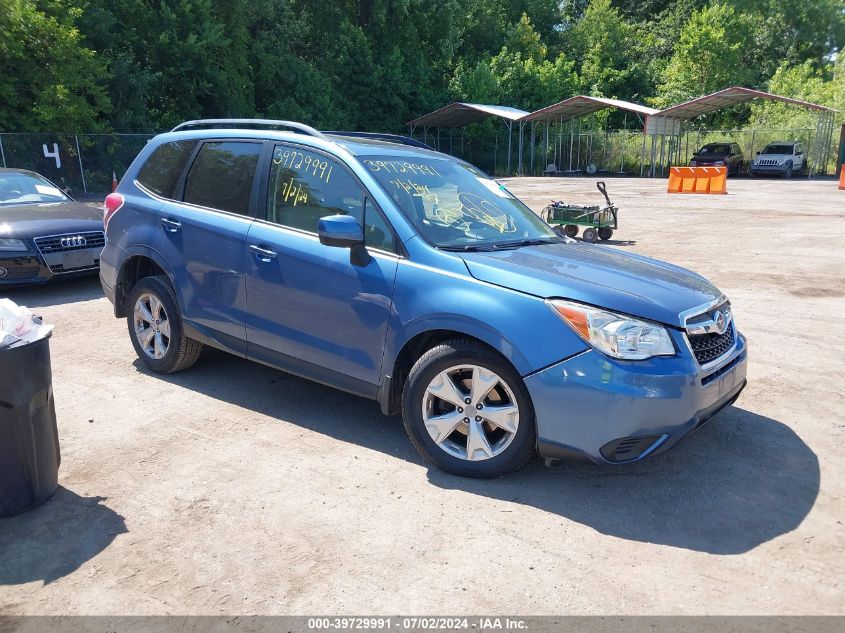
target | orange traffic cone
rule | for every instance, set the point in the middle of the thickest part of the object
(113, 181)
(842, 177)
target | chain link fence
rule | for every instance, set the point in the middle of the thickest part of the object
(81, 163)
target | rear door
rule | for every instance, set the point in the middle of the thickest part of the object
(203, 236)
(310, 308)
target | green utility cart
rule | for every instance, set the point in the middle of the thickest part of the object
(600, 221)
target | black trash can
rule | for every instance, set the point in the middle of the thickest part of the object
(29, 439)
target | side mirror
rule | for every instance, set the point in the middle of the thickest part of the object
(344, 231)
(758, 153)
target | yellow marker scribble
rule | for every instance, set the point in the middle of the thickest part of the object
(293, 191)
(401, 167)
(305, 163)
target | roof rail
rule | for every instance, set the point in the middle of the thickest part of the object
(380, 136)
(236, 123)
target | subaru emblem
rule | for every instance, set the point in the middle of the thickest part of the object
(721, 322)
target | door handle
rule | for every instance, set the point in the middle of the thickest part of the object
(262, 254)
(171, 225)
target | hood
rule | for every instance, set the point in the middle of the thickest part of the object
(33, 220)
(597, 275)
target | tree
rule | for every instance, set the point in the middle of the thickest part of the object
(604, 43)
(711, 54)
(805, 82)
(49, 81)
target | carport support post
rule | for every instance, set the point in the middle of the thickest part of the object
(546, 155)
(509, 125)
(521, 127)
(571, 141)
(532, 148)
(751, 151)
(642, 156)
(2, 153)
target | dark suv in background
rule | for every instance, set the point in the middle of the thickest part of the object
(718, 155)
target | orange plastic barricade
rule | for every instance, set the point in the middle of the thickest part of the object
(698, 180)
(842, 178)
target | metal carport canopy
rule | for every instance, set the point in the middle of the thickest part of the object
(459, 114)
(580, 105)
(668, 122)
(728, 97)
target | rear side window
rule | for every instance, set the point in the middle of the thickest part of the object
(164, 166)
(222, 176)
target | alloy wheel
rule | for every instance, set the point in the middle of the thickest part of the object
(152, 327)
(470, 412)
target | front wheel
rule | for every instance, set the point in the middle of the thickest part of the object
(590, 235)
(605, 233)
(155, 327)
(788, 172)
(467, 410)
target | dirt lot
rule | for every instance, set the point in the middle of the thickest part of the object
(233, 488)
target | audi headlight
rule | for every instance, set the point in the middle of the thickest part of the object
(616, 335)
(15, 246)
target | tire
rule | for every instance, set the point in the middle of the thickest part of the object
(163, 353)
(460, 362)
(605, 233)
(590, 235)
(788, 173)
(571, 230)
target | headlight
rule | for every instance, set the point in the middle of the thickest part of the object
(719, 162)
(693, 163)
(615, 334)
(8, 244)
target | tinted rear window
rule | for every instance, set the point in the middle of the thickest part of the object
(162, 169)
(222, 176)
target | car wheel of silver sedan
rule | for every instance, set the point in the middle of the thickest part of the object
(466, 409)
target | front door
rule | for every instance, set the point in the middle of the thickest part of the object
(310, 308)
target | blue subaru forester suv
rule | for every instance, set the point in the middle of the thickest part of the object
(408, 276)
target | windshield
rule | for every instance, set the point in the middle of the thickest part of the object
(456, 206)
(715, 149)
(18, 187)
(778, 149)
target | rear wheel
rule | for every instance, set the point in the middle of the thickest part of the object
(466, 410)
(605, 233)
(571, 230)
(590, 235)
(155, 327)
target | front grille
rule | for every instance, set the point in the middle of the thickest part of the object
(70, 242)
(768, 162)
(709, 347)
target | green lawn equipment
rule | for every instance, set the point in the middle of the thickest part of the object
(566, 218)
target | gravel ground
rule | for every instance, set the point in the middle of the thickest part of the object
(234, 488)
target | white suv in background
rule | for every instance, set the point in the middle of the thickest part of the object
(782, 157)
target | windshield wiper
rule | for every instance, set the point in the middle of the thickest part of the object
(467, 248)
(528, 242)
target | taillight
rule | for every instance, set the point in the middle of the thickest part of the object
(112, 204)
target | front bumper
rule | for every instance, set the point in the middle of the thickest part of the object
(767, 169)
(31, 270)
(607, 411)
